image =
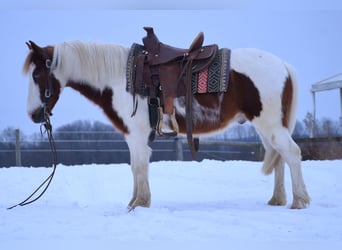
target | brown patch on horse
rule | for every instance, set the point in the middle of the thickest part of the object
(210, 100)
(104, 100)
(246, 95)
(56, 90)
(286, 101)
(242, 97)
(38, 57)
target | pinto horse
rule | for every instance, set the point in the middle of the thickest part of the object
(262, 89)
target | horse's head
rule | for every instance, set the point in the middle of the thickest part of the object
(44, 88)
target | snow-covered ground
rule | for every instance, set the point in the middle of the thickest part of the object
(195, 205)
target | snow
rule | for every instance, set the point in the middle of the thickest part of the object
(195, 205)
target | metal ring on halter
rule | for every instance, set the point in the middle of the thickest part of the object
(48, 63)
(47, 93)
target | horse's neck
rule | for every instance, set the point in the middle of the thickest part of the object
(98, 66)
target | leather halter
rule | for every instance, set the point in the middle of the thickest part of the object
(48, 88)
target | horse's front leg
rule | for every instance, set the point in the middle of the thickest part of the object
(141, 189)
(140, 155)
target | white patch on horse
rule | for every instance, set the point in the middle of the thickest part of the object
(179, 104)
(33, 98)
(200, 113)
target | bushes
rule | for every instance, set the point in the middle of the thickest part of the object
(321, 148)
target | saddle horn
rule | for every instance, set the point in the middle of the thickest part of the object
(197, 42)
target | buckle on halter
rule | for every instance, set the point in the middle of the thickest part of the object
(47, 93)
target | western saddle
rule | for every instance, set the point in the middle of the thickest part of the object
(163, 73)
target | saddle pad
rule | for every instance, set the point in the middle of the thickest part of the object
(210, 80)
(131, 65)
(215, 78)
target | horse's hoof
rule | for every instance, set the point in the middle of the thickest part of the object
(278, 197)
(130, 209)
(300, 203)
(276, 202)
(138, 203)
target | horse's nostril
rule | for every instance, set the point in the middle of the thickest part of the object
(38, 115)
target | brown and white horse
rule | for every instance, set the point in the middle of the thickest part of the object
(262, 89)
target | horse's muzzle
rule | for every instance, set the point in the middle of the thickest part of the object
(38, 116)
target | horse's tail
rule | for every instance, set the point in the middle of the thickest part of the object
(294, 102)
(272, 157)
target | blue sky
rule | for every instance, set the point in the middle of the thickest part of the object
(307, 35)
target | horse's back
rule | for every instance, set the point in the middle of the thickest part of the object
(266, 70)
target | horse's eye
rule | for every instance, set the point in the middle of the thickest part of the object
(36, 76)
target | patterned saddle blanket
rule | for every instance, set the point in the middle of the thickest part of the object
(212, 79)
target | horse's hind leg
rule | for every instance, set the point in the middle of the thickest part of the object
(282, 142)
(273, 160)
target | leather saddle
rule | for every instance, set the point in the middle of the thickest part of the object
(164, 73)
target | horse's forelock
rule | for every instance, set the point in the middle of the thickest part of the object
(27, 63)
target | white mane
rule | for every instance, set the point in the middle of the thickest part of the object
(100, 65)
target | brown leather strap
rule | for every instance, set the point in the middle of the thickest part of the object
(32, 198)
(188, 112)
(189, 105)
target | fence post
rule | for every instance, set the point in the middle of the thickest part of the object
(261, 152)
(179, 149)
(17, 148)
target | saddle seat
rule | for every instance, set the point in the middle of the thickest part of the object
(170, 69)
(163, 53)
(159, 53)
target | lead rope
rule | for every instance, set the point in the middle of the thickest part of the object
(44, 128)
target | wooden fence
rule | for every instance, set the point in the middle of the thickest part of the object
(87, 149)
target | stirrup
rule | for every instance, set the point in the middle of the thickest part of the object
(162, 131)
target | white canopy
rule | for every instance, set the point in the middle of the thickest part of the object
(334, 82)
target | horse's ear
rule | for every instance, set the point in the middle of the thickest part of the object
(29, 45)
(35, 48)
